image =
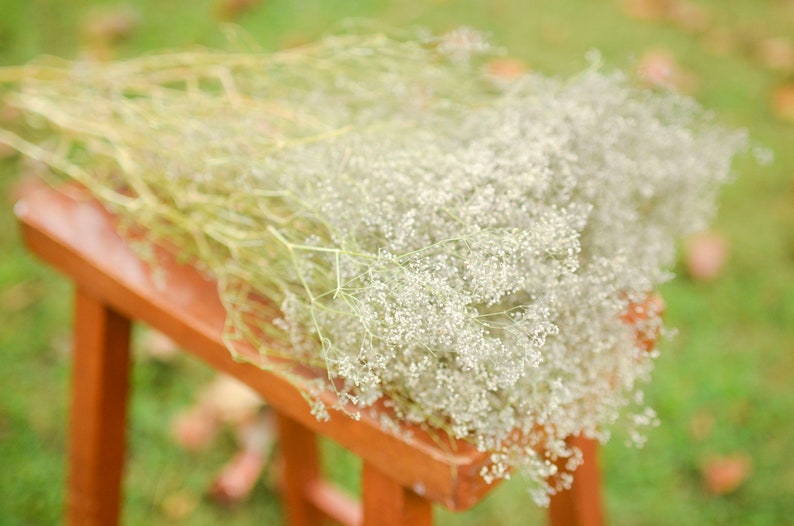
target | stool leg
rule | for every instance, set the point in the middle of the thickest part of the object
(100, 380)
(386, 503)
(581, 504)
(301, 471)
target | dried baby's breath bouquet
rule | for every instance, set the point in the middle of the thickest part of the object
(463, 245)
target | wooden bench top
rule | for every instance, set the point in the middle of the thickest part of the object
(72, 232)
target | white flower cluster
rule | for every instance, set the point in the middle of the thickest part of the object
(466, 246)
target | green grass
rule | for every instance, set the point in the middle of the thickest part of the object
(731, 361)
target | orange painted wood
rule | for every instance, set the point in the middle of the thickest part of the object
(308, 496)
(301, 471)
(581, 504)
(98, 413)
(387, 503)
(73, 233)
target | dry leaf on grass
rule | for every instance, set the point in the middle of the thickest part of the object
(232, 9)
(725, 474)
(507, 68)
(102, 28)
(194, 429)
(237, 479)
(648, 10)
(157, 345)
(659, 68)
(224, 400)
(690, 17)
(230, 400)
(776, 53)
(705, 255)
(783, 102)
(110, 25)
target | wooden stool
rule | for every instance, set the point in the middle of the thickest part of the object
(404, 473)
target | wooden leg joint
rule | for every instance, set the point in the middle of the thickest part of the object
(386, 503)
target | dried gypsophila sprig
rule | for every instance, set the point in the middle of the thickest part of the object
(462, 245)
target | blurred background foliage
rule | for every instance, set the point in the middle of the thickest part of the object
(722, 386)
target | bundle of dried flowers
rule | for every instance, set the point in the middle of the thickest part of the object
(464, 245)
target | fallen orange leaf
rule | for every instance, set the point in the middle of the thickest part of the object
(776, 53)
(649, 10)
(110, 25)
(233, 9)
(507, 68)
(689, 17)
(783, 102)
(659, 68)
(157, 345)
(723, 475)
(705, 255)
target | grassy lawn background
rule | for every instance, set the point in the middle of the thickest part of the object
(723, 386)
